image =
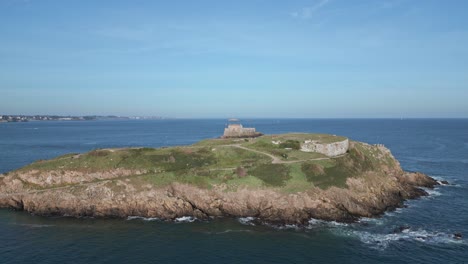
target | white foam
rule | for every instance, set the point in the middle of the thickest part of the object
(289, 227)
(432, 192)
(314, 221)
(185, 219)
(334, 223)
(376, 221)
(142, 218)
(382, 241)
(317, 222)
(246, 220)
(282, 227)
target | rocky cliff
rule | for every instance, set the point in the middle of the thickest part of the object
(193, 181)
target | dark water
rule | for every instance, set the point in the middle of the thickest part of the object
(433, 146)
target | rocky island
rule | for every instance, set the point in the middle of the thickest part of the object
(287, 179)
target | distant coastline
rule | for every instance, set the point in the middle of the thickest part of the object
(27, 118)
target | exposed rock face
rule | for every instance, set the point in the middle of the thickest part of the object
(113, 194)
(60, 177)
(329, 149)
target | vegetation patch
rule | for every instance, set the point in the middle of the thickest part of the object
(272, 174)
(292, 144)
(352, 165)
(213, 162)
(99, 153)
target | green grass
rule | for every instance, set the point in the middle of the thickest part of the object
(354, 164)
(233, 157)
(298, 181)
(323, 138)
(265, 144)
(272, 174)
(210, 162)
(247, 181)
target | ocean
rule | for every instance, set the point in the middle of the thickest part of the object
(437, 147)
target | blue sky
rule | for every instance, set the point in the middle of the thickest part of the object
(317, 58)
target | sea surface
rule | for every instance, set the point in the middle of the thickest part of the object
(438, 147)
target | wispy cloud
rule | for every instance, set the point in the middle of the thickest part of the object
(308, 11)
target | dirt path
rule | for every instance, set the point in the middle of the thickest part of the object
(275, 159)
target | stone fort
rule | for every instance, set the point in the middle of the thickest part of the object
(236, 130)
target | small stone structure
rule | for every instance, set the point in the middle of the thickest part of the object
(236, 130)
(329, 149)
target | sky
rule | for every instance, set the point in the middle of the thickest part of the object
(220, 59)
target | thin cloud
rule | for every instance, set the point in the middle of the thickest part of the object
(307, 12)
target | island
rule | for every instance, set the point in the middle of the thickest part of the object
(285, 179)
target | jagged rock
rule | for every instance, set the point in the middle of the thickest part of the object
(400, 229)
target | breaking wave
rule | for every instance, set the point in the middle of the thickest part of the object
(185, 219)
(432, 192)
(142, 218)
(382, 241)
(246, 220)
(320, 223)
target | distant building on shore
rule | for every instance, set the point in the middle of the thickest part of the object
(235, 129)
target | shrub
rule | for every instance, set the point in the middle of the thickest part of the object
(241, 172)
(99, 153)
(292, 144)
(311, 171)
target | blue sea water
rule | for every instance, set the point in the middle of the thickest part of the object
(438, 147)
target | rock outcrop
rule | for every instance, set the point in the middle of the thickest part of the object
(122, 193)
(101, 199)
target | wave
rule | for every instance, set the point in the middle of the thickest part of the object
(432, 192)
(142, 218)
(246, 220)
(185, 219)
(320, 223)
(283, 227)
(382, 241)
(373, 221)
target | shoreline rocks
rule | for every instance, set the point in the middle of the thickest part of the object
(178, 200)
(373, 183)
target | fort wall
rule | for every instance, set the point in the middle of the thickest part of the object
(238, 131)
(329, 149)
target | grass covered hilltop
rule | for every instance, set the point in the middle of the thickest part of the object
(269, 177)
